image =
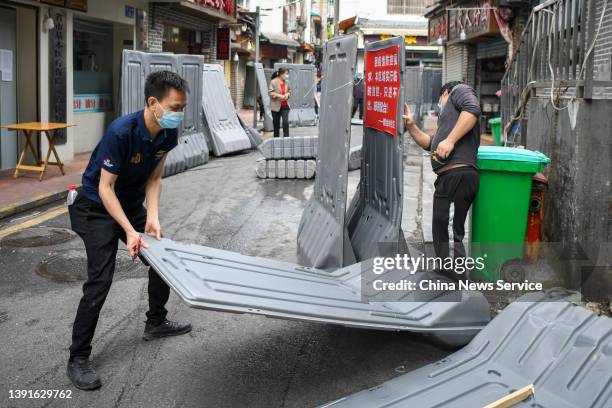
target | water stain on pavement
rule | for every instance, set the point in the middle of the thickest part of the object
(38, 236)
(70, 265)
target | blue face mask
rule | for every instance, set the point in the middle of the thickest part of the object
(170, 119)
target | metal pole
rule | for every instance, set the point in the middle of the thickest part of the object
(336, 16)
(257, 10)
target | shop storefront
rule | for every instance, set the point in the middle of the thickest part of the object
(476, 37)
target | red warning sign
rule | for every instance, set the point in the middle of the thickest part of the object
(382, 89)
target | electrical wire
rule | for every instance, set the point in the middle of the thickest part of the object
(584, 62)
(580, 72)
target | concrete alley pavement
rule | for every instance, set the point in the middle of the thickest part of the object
(228, 359)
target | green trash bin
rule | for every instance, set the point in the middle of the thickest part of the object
(500, 210)
(495, 124)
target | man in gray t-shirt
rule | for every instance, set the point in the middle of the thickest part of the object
(454, 147)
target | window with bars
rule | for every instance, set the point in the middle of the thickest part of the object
(406, 6)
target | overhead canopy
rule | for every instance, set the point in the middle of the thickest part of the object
(280, 39)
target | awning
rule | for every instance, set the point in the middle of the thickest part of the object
(280, 39)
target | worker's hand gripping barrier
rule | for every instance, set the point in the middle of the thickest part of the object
(322, 235)
(221, 125)
(303, 83)
(374, 221)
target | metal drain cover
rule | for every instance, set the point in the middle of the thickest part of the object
(38, 236)
(71, 266)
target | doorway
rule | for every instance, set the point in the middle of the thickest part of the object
(8, 87)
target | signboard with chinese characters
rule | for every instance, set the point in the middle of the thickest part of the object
(438, 28)
(223, 43)
(57, 73)
(382, 89)
(225, 5)
(92, 102)
(476, 19)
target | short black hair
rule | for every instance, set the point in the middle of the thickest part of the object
(449, 86)
(159, 83)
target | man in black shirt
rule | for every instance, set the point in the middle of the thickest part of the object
(124, 170)
(454, 148)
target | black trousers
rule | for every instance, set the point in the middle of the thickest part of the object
(283, 114)
(357, 104)
(458, 186)
(101, 234)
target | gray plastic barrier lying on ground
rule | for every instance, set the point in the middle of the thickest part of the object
(322, 235)
(376, 211)
(562, 349)
(304, 147)
(303, 83)
(222, 127)
(262, 85)
(215, 279)
(192, 149)
(285, 169)
(252, 133)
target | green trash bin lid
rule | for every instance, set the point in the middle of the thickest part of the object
(511, 159)
(495, 121)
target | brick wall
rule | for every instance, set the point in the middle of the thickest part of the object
(160, 14)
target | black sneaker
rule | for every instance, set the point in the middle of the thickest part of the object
(82, 374)
(165, 329)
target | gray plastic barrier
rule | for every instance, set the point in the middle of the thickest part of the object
(221, 125)
(136, 66)
(285, 169)
(133, 73)
(299, 147)
(374, 224)
(196, 149)
(560, 348)
(262, 85)
(303, 82)
(210, 278)
(175, 161)
(322, 235)
(192, 149)
(413, 91)
(252, 133)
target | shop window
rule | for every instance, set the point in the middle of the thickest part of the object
(93, 66)
(182, 41)
(406, 6)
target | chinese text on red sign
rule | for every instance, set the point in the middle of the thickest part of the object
(382, 89)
